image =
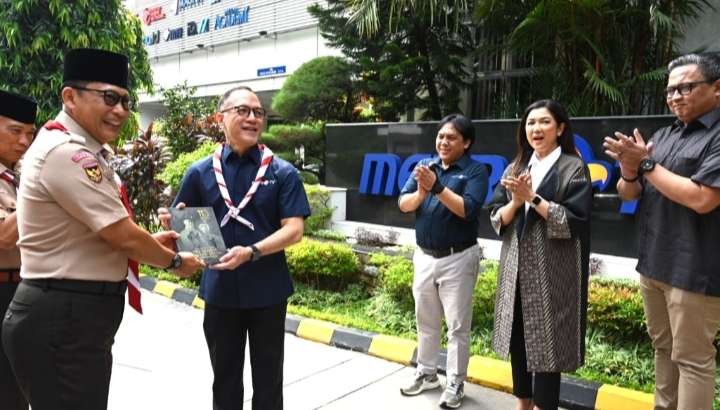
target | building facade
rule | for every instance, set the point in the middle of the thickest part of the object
(216, 44)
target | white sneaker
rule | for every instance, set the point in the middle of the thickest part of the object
(452, 396)
(420, 383)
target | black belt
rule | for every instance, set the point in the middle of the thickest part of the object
(94, 287)
(441, 253)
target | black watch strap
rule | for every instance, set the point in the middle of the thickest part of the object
(535, 201)
(437, 187)
(626, 179)
(256, 254)
(175, 263)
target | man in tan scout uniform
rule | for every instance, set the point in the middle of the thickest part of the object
(17, 127)
(75, 242)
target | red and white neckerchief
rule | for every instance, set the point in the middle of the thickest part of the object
(10, 177)
(133, 272)
(234, 211)
(133, 277)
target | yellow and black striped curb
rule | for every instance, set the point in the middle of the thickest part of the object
(576, 394)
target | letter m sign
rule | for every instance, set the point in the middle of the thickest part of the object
(382, 169)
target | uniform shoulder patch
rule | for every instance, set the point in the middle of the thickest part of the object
(92, 170)
(82, 154)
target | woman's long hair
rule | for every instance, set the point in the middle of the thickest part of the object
(565, 140)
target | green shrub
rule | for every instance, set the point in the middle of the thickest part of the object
(271, 140)
(381, 260)
(288, 156)
(309, 178)
(615, 309)
(323, 264)
(161, 274)
(628, 364)
(303, 145)
(175, 170)
(328, 234)
(309, 135)
(396, 278)
(484, 296)
(319, 197)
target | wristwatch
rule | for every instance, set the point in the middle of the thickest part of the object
(256, 254)
(646, 165)
(437, 187)
(535, 201)
(175, 263)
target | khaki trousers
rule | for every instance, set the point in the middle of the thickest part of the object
(443, 287)
(682, 326)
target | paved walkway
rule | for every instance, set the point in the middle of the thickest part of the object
(161, 362)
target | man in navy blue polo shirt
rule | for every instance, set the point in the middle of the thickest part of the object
(246, 293)
(446, 193)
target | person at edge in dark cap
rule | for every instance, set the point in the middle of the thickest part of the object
(77, 243)
(446, 193)
(17, 128)
(676, 176)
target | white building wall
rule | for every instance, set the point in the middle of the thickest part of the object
(277, 33)
(216, 69)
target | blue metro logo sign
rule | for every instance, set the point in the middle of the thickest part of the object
(386, 174)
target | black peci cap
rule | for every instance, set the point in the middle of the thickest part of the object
(89, 64)
(18, 107)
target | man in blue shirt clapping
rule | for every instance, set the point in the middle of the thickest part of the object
(446, 193)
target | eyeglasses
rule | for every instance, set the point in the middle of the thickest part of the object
(244, 111)
(683, 88)
(111, 98)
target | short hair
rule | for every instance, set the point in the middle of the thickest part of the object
(230, 92)
(462, 124)
(708, 64)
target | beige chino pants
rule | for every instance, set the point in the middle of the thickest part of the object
(443, 287)
(682, 326)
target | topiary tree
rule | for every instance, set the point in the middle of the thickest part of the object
(36, 34)
(303, 145)
(320, 90)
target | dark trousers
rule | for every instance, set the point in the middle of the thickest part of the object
(11, 398)
(59, 345)
(546, 391)
(226, 332)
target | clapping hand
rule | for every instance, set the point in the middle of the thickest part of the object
(628, 151)
(520, 188)
(425, 177)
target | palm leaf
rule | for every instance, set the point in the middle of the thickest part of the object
(600, 86)
(364, 15)
(660, 21)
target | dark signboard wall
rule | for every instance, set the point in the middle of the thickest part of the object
(373, 160)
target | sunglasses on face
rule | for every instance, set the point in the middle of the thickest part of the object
(244, 111)
(684, 88)
(111, 98)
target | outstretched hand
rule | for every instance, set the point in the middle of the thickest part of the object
(235, 256)
(165, 216)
